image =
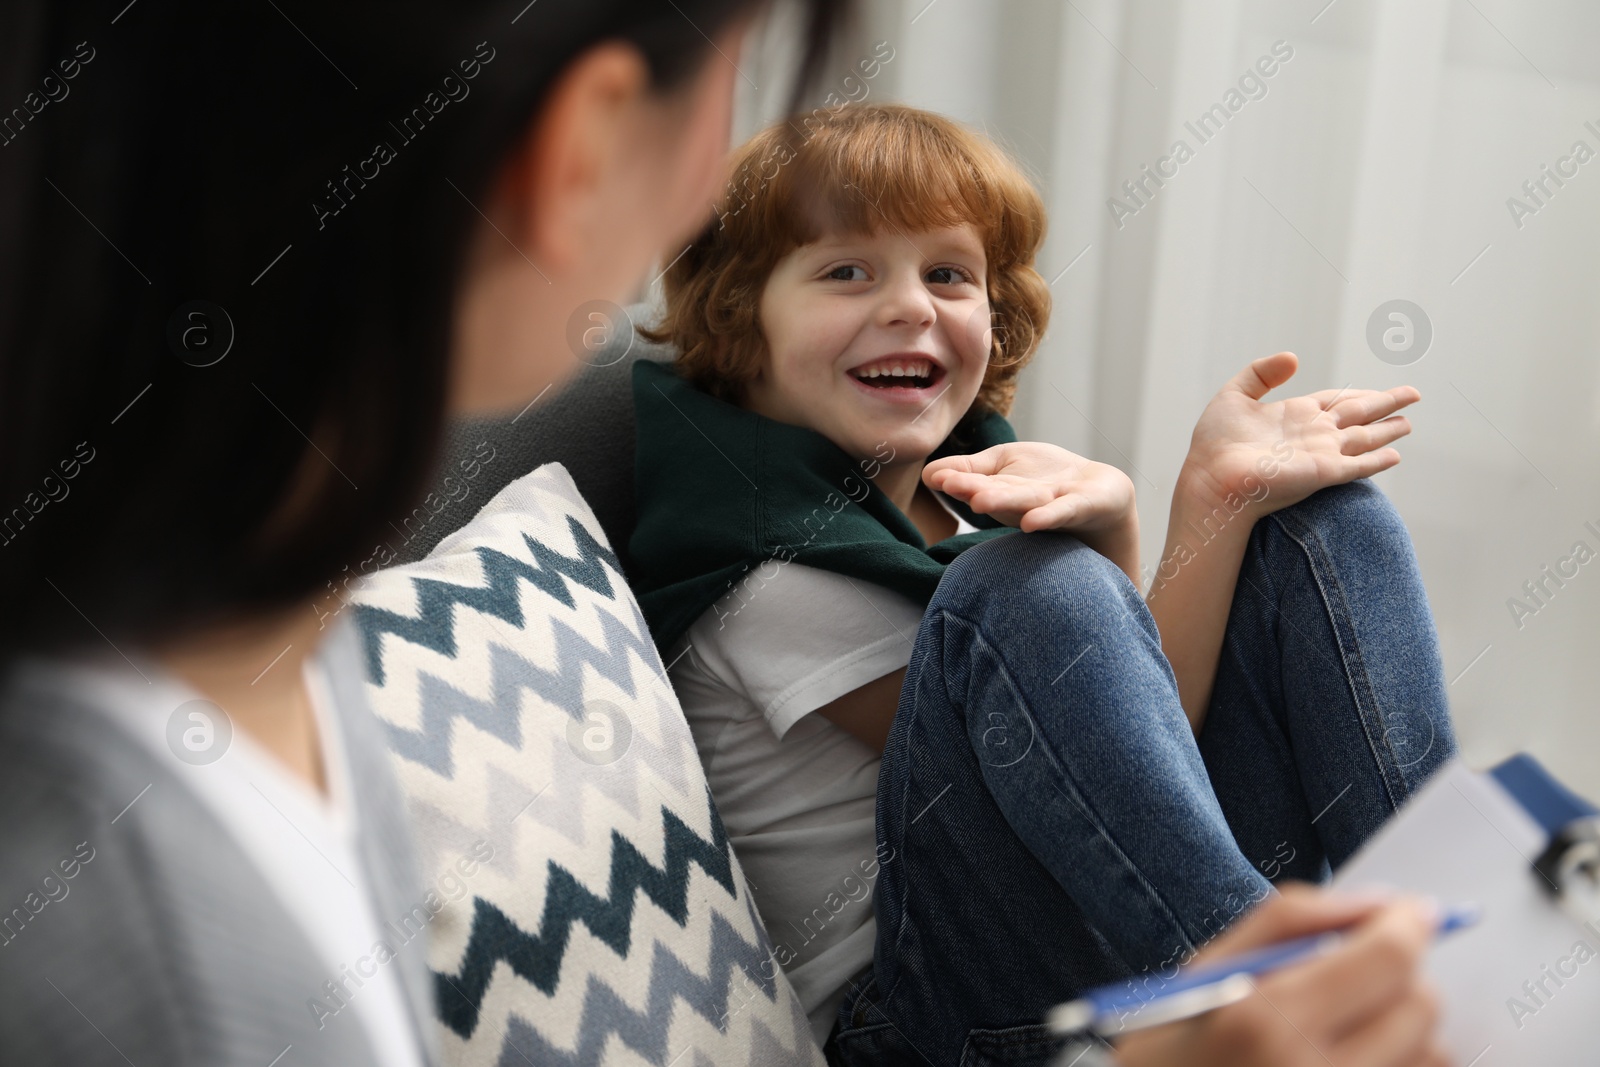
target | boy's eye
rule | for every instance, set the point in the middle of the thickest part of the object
(947, 276)
(935, 276)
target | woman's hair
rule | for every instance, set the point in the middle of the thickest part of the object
(230, 237)
(855, 169)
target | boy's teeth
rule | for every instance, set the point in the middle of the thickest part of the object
(918, 369)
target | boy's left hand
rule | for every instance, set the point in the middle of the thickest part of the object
(1276, 453)
(1035, 486)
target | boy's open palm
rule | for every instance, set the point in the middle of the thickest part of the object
(1300, 444)
(1035, 486)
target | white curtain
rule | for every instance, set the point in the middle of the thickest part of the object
(1376, 162)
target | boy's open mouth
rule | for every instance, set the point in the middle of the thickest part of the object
(899, 372)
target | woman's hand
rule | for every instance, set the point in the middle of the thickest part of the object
(1270, 455)
(1035, 486)
(1364, 1004)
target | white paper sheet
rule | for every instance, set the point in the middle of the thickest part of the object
(1522, 987)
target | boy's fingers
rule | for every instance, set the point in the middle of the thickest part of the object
(1264, 375)
(1370, 463)
(1003, 496)
(1052, 516)
(962, 483)
(935, 472)
(1370, 407)
(947, 480)
(1362, 439)
(991, 460)
(1330, 398)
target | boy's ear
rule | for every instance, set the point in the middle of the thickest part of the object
(556, 182)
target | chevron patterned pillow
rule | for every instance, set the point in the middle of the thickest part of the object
(586, 907)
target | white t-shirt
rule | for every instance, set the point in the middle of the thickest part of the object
(797, 794)
(303, 844)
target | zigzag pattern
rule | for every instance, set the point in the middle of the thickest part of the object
(646, 1032)
(673, 761)
(437, 830)
(504, 666)
(434, 625)
(537, 957)
(510, 673)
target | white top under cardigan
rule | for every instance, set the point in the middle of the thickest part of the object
(303, 844)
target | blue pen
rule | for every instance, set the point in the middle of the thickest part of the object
(1122, 1008)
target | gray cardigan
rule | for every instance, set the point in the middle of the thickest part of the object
(167, 948)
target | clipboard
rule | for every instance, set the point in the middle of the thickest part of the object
(1523, 986)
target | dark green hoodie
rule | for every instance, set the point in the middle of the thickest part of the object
(721, 491)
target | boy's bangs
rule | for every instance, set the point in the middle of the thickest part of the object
(909, 179)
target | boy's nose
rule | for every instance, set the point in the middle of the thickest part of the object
(906, 302)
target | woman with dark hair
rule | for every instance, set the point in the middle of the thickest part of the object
(252, 257)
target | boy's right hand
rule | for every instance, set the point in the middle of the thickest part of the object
(1034, 486)
(1364, 1004)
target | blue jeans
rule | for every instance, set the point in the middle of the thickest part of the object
(1054, 823)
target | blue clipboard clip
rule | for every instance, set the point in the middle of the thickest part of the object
(1570, 869)
(1569, 866)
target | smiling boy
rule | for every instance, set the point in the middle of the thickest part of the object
(876, 677)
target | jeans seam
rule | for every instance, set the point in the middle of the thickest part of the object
(905, 885)
(1279, 739)
(1075, 798)
(1335, 605)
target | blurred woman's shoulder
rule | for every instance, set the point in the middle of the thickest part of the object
(132, 925)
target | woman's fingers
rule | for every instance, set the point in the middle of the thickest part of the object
(1402, 1036)
(1357, 982)
(1363, 439)
(1436, 1056)
(1295, 910)
(1363, 1004)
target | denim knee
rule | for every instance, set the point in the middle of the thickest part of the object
(1008, 584)
(1358, 511)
